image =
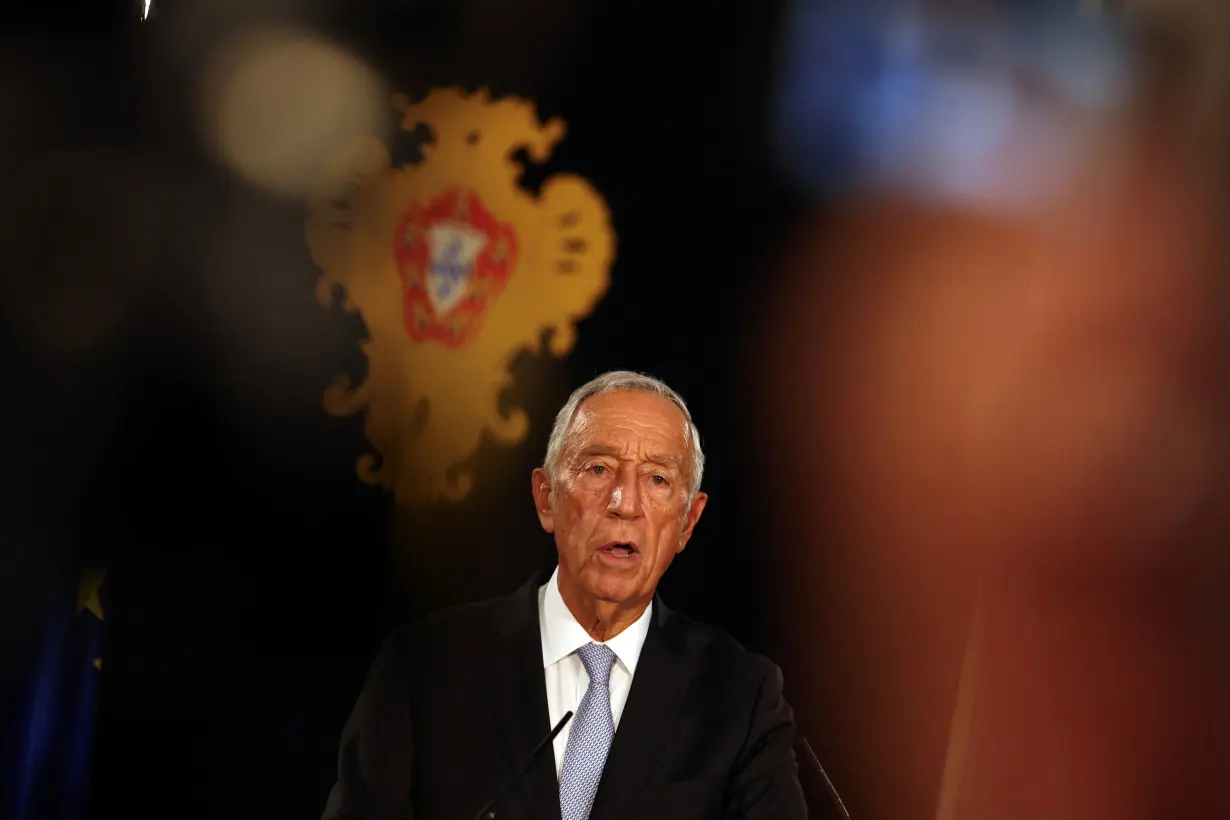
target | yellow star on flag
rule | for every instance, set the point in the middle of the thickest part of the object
(87, 594)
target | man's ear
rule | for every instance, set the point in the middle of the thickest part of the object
(540, 487)
(689, 522)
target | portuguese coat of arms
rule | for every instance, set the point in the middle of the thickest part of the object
(454, 268)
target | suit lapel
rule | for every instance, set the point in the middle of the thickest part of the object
(662, 678)
(518, 694)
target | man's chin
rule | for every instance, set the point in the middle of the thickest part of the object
(611, 586)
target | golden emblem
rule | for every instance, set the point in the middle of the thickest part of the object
(454, 268)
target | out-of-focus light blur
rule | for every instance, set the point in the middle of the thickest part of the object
(276, 105)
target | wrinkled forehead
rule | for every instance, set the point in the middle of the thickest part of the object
(633, 423)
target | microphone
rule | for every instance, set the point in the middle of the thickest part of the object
(487, 812)
(811, 755)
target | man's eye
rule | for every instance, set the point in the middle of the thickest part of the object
(658, 479)
(597, 469)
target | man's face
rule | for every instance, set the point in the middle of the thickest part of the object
(618, 506)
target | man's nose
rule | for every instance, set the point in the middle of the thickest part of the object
(625, 501)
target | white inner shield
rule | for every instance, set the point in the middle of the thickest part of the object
(453, 247)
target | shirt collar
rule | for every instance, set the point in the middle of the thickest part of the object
(562, 635)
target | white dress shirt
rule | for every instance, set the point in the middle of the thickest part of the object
(565, 675)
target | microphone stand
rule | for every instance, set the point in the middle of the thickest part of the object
(487, 812)
(828, 783)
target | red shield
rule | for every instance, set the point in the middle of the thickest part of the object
(454, 257)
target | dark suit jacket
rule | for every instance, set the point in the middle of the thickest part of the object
(455, 704)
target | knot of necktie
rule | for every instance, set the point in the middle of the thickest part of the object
(598, 661)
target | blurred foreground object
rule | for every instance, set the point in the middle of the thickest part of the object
(997, 436)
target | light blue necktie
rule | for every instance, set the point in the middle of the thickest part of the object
(590, 738)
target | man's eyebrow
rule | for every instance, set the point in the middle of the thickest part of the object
(598, 450)
(666, 461)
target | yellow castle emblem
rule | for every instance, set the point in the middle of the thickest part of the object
(455, 269)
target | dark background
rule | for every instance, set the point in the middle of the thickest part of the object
(251, 574)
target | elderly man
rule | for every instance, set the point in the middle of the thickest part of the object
(670, 719)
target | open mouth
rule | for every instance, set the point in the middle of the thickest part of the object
(620, 550)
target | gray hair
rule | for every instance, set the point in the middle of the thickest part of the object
(617, 381)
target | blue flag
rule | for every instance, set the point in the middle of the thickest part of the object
(49, 753)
